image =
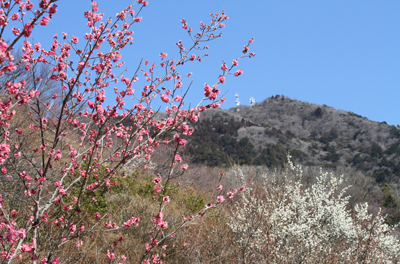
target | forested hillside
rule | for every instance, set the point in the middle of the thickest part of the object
(367, 152)
(315, 135)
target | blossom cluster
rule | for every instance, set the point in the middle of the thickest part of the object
(72, 124)
(289, 223)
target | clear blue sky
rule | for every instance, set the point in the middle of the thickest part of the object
(345, 54)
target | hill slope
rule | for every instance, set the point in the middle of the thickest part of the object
(313, 134)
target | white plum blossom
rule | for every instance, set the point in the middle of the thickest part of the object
(281, 221)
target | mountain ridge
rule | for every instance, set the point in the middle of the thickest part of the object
(319, 135)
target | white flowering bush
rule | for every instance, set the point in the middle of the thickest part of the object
(281, 221)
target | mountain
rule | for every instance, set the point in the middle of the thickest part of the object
(314, 135)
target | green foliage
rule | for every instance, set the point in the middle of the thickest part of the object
(394, 132)
(273, 132)
(355, 115)
(374, 150)
(393, 149)
(326, 138)
(289, 135)
(193, 202)
(102, 205)
(390, 201)
(318, 112)
(274, 155)
(351, 123)
(214, 143)
(99, 194)
(298, 155)
(145, 187)
(357, 133)
(313, 135)
(331, 156)
(382, 175)
(128, 185)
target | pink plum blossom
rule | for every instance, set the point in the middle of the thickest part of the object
(238, 72)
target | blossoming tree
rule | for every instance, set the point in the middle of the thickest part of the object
(58, 149)
(284, 222)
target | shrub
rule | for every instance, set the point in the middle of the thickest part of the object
(283, 222)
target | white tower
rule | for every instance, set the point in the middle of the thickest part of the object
(252, 101)
(237, 102)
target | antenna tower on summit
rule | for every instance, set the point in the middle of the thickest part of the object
(237, 99)
(237, 102)
(252, 101)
